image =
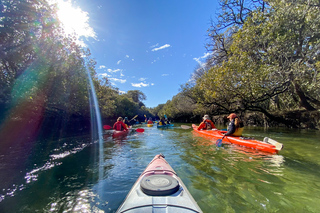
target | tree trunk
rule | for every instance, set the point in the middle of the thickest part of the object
(303, 99)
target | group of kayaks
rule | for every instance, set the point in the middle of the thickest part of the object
(159, 189)
(161, 126)
(117, 133)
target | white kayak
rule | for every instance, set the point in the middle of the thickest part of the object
(159, 189)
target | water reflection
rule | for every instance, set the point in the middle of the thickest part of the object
(64, 177)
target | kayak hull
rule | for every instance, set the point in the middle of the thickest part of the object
(116, 133)
(249, 143)
(159, 189)
(165, 126)
(149, 125)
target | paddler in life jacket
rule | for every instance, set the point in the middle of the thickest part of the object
(206, 124)
(162, 122)
(126, 122)
(150, 121)
(119, 125)
(235, 126)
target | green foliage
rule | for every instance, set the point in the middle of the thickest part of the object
(265, 58)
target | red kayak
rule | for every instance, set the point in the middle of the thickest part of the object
(121, 133)
(268, 145)
(159, 189)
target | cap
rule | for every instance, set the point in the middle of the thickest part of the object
(232, 116)
(206, 117)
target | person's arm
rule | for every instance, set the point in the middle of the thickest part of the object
(124, 126)
(114, 125)
(201, 126)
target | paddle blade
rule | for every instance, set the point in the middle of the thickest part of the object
(278, 145)
(134, 117)
(219, 142)
(139, 130)
(185, 127)
(107, 127)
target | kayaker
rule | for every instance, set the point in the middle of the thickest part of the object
(150, 121)
(126, 122)
(161, 122)
(206, 124)
(119, 125)
(167, 121)
(235, 126)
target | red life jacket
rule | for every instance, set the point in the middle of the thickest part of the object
(119, 126)
(208, 125)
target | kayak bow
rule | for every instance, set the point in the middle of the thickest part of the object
(159, 189)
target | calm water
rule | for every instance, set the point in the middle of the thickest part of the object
(63, 175)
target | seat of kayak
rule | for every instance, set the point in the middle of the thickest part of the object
(159, 185)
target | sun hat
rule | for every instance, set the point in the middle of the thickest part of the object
(232, 116)
(206, 117)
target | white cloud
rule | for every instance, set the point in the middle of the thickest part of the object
(160, 48)
(102, 67)
(127, 56)
(113, 71)
(139, 84)
(199, 59)
(122, 81)
(104, 75)
(164, 74)
(119, 62)
(142, 79)
(121, 92)
(206, 55)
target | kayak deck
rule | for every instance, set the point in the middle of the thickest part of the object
(159, 189)
(241, 141)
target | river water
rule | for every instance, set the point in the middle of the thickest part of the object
(65, 175)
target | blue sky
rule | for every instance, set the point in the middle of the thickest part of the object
(147, 45)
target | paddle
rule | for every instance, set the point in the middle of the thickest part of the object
(185, 127)
(278, 145)
(219, 141)
(139, 130)
(133, 118)
(107, 127)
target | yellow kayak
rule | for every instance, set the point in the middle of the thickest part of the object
(149, 125)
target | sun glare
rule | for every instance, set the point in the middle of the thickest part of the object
(74, 20)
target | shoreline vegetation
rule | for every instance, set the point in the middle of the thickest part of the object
(263, 64)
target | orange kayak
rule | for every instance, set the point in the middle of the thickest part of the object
(270, 146)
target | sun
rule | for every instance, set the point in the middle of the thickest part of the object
(74, 20)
